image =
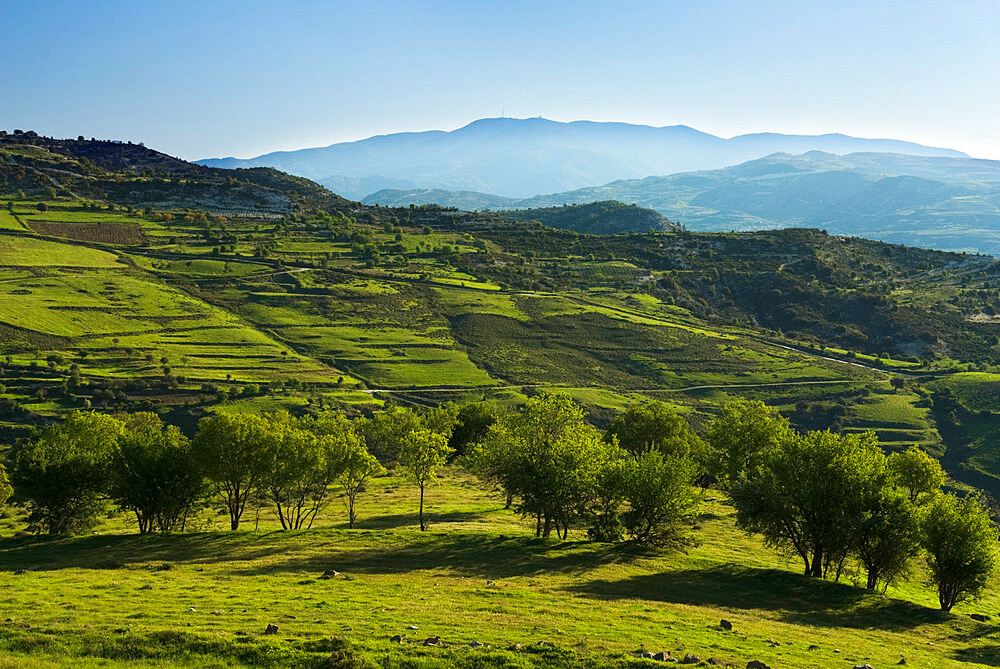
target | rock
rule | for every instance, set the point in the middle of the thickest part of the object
(475, 644)
(836, 650)
(514, 647)
(757, 664)
(646, 654)
(691, 659)
(271, 629)
(725, 624)
(546, 644)
(813, 647)
(20, 572)
(863, 666)
(396, 639)
(432, 641)
(716, 662)
(981, 617)
(902, 660)
(330, 573)
(413, 627)
(661, 656)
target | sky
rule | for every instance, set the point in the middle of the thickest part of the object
(216, 78)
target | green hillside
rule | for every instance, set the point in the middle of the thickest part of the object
(312, 301)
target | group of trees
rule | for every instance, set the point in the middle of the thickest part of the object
(836, 501)
(554, 467)
(832, 498)
(70, 472)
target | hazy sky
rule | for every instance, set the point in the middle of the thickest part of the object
(209, 78)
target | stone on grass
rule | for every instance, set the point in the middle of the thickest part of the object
(981, 617)
(863, 666)
(475, 644)
(514, 647)
(432, 641)
(715, 661)
(813, 647)
(546, 644)
(725, 624)
(690, 658)
(20, 572)
(646, 654)
(757, 664)
(271, 629)
(413, 627)
(661, 656)
(396, 639)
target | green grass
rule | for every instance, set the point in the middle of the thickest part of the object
(28, 252)
(477, 575)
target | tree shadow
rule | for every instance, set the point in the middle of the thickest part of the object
(117, 551)
(484, 556)
(988, 656)
(800, 599)
(359, 551)
(394, 520)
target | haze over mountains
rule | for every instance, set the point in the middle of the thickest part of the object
(521, 158)
(936, 202)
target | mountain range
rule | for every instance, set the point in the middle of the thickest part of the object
(521, 158)
(940, 202)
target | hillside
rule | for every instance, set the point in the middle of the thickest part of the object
(191, 312)
(526, 157)
(133, 175)
(355, 305)
(595, 218)
(937, 202)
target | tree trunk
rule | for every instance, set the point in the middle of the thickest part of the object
(872, 579)
(547, 528)
(817, 562)
(350, 512)
(422, 526)
(510, 500)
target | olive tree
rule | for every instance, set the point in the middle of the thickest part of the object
(961, 546)
(917, 472)
(236, 453)
(660, 497)
(423, 453)
(549, 459)
(62, 473)
(153, 473)
(654, 426)
(742, 434)
(802, 494)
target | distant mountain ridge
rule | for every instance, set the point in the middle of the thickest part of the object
(949, 203)
(521, 158)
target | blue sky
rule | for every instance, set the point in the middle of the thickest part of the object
(199, 79)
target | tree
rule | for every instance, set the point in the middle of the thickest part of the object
(236, 452)
(917, 472)
(802, 495)
(642, 428)
(385, 433)
(62, 473)
(343, 457)
(658, 491)
(549, 459)
(473, 421)
(742, 434)
(359, 466)
(961, 546)
(41, 206)
(302, 468)
(887, 535)
(423, 453)
(154, 473)
(5, 489)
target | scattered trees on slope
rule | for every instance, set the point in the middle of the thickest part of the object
(961, 545)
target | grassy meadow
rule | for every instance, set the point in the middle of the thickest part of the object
(204, 598)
